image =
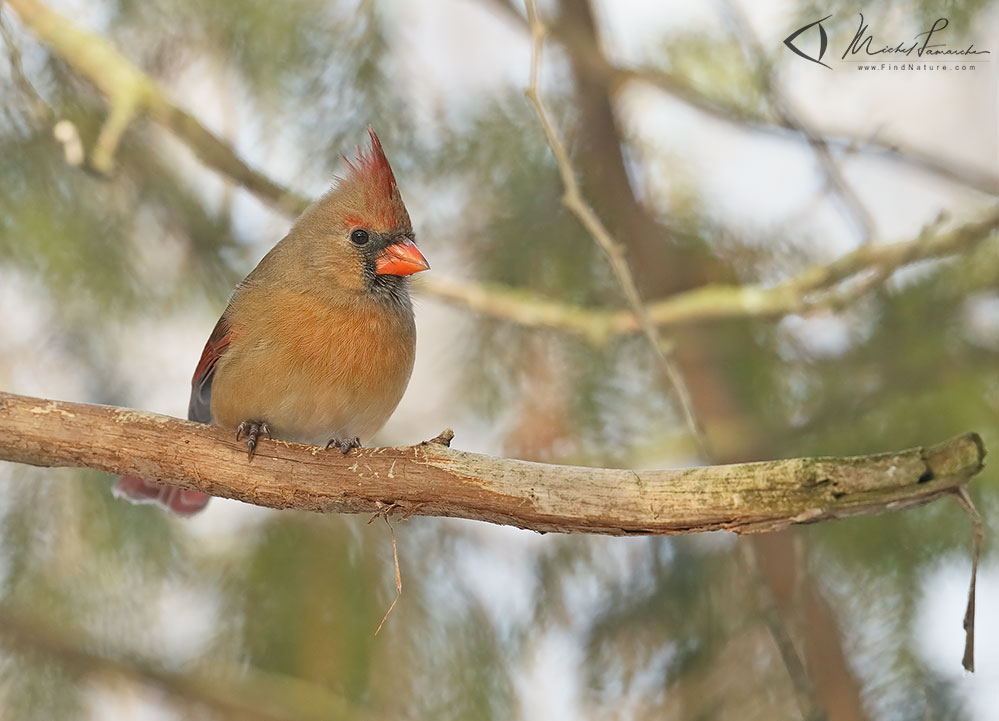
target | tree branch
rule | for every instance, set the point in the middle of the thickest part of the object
(430, 479)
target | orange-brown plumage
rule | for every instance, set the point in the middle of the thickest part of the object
(312, 368)
(318, 341)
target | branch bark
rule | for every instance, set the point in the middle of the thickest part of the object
(430, 479)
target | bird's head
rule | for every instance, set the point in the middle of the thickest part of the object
(359, 232)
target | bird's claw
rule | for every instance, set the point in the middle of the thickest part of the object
(254, 431)
(344, 444)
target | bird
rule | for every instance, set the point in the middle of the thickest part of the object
(317, 343)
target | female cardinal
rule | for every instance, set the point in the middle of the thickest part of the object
(317, 343)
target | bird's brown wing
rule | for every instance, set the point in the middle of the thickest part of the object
(200, 407)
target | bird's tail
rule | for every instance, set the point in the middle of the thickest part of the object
(179, 500)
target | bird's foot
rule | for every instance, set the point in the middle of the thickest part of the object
(344, 444)
(254, 431)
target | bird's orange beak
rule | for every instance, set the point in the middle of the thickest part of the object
(402, 258)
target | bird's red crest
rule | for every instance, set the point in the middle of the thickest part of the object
(371, 175)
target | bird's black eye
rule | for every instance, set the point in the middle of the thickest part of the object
(359, 237)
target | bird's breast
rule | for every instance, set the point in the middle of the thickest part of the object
(314, 371)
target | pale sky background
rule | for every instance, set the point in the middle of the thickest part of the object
(452, 54)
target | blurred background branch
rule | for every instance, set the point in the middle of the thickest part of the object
(812, 290)
(240, 694)
(104, 67)
(130, 92)
(745, 117)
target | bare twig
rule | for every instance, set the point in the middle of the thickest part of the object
(398, 574)
(433, 480)
(978, 537)
(577, 205)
